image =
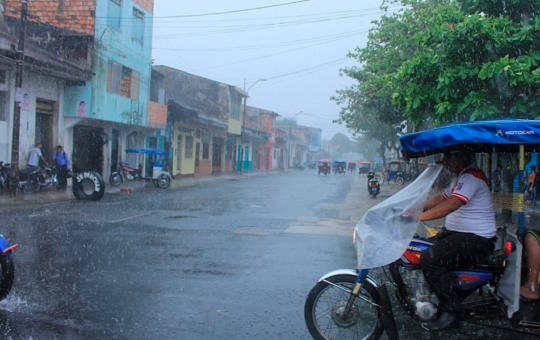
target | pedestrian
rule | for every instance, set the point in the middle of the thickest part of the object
(497, 178)
(62, 167)
(35, 157)
(531, 187)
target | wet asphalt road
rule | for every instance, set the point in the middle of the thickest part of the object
(217, 261)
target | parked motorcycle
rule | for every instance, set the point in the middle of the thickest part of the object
(125, 173)
(374, 188)
(30, 180)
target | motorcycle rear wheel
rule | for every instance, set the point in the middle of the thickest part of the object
(325, 301)
(8, 275)
(31, 186)
(400, 180)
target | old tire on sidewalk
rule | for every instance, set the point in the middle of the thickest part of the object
(88, 186)
(8, 275)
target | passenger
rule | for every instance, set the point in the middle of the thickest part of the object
(469, 233)
(529, 290)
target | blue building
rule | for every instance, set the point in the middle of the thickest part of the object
(108, 113)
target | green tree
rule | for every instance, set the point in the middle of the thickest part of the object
(479, 60)
(367, 106)
(367, 147)
(344, 143)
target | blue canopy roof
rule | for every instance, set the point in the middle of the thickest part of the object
(150, 151)
(503, 135)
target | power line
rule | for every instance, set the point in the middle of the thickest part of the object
(229, 12)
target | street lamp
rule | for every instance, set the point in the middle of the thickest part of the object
(290, 131)
(243, 123)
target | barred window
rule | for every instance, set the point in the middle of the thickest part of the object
(114, 13)
(138, 25)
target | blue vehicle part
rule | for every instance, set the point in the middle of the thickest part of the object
(464, 280)
(4, 245)
(158, 161)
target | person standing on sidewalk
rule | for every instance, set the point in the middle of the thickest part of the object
(531, 187)
(35, 156)
(62, 166)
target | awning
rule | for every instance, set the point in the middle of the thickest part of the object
(503, 135)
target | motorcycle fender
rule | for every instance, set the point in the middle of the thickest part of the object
(350, 272)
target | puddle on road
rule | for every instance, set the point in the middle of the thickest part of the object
(253, 231)
(256, 206)
(178, 217)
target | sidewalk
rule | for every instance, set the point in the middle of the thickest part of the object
(51, 195)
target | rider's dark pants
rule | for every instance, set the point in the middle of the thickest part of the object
(452, 249)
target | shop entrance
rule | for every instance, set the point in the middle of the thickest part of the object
(44, 127)
(88, 149)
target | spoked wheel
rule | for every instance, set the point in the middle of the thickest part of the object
(115, 179)
(31, 186)
(8, 275)
(324, 309)
(400, 180)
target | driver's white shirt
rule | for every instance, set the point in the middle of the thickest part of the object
(477, 215)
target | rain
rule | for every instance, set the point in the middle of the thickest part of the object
(264, 169)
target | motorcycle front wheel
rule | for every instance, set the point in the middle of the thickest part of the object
(47, 178)
(115, 179)
(324, 308)
(8, 275)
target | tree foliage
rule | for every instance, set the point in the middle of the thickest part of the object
(441, 61)
(480, 60)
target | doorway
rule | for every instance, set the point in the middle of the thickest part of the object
(88, 149)
(114, 150)
(217, 147)
(44, 127)
(178, 153)
(197, 156)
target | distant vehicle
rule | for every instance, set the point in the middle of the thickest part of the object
(364, 167)
(324, 166)
(339, 167)
(351, 166)
(312, 165)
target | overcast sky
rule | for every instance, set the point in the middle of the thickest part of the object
(298, 46)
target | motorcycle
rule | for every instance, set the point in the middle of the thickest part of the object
(349, 304)
(125, 173)
(30, 180)
(374, 188)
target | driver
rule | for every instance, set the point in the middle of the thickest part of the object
(469, 233)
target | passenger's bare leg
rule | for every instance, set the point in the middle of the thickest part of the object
(530, 288)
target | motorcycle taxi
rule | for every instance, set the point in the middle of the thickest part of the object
(351, 304)
(339, 167)
(324, 166)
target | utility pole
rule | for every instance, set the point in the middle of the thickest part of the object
(243, 123)
(14, 180)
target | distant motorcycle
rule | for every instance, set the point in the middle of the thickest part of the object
(374, 188)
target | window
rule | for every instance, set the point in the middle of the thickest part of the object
(161, 96)
(205, 151)
(189, 147)
(138, 25)
(123, 81)
(114, 13)
(235, 109)
(4, 110)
